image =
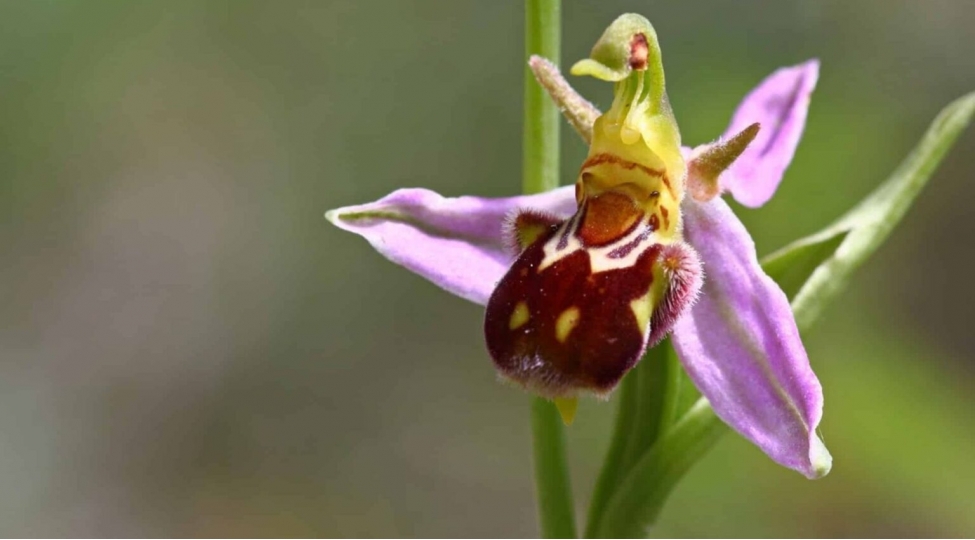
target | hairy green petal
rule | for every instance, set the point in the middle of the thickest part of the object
(577, 110)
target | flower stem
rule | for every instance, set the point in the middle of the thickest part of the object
(552, 488)
(647, 410)
(540, 145)
(642, 493)
(658, 376)
(540, 172)
(615, 464)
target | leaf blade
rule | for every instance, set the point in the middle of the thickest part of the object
(872, 221)
(792, 265)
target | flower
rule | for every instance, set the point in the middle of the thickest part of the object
(738, 342)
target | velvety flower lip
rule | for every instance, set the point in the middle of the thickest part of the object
(456, 243)
(740, 345)
(780, 104)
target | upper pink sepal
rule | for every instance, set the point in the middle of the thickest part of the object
(779, 104)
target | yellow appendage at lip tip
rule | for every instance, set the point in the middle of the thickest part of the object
(567, 409)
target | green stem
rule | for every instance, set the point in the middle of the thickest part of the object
(641, 496)
(540, 173)
(552, 488)
(615, 465)
(658, 374)
(647, 410)
(540, 146)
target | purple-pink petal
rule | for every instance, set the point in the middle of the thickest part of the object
(779, 104)
(740, 345)
(457, 243)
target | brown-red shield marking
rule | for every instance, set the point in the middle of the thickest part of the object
(605, 340)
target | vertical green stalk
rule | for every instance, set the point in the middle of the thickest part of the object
(552, 487)
(540, 172)
(540, 145)
(658, 376)
(615, 464)
(641, 494)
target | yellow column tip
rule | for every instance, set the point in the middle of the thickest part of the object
(567, 408)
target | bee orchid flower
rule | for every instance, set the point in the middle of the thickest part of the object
(578, 282)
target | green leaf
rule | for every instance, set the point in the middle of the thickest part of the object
(688, 395)
(658, 377)
(792, 265)
(615, 465)
(648, 408)
(815, 268)
(869, 224)
(641, 495)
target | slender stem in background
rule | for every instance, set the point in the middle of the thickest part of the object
(540, 173)
(540, 146)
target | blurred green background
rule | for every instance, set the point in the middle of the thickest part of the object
(188, 348)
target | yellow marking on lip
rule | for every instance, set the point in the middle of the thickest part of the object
(567, 320)
(519, 316)
(642, 309)
(529, 232)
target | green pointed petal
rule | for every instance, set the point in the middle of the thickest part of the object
(577, 110)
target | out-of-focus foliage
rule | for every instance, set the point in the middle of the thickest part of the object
(188, 348)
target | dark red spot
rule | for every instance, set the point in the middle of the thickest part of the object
(639, 52)
(654, 222)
